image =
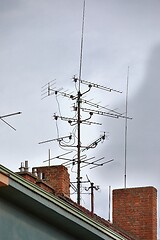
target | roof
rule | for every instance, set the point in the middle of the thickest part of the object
(99, 219)
(69, 215)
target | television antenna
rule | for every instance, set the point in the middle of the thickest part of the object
(73, 141)
(9, 115)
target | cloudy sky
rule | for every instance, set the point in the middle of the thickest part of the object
(40, 42)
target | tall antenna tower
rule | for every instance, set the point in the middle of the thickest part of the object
(79, 112)
(75, 139)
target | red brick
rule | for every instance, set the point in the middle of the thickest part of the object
(28, 176)
(57, 177)
(135, 211)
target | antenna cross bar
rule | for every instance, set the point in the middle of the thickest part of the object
(91, 84)
(108, 114)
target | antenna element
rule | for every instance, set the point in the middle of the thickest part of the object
(126, 129)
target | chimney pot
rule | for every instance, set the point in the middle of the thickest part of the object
(26, 166)
(34, 172)
(22, 167)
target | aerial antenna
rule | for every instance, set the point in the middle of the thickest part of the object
(9, 115)
(126, 130)
(76, 151)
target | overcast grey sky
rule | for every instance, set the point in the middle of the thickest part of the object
(40, 41)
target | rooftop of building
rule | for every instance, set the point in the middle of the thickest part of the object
(47, 191)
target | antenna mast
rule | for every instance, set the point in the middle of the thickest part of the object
(79, 113)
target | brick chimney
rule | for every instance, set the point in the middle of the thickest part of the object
(55, 176)
(135, 211)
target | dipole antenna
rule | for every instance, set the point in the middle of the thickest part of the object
(126, 130)
(79, 112)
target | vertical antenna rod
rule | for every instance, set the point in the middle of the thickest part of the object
(92, 187)
(81, 50)
(49, 157)
(109, 204)
(78, 112)
(126, 128)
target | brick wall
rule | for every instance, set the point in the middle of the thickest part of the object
(55, 176)
(135, 211)
(28, 176)
(34, 179)
(45, 186)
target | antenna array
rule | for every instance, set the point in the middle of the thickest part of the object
(74, 143)
(73, 140)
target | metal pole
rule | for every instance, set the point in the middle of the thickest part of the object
(49, 157)
(109, 205)
(79, 115)
(126, 128)
(92, 198)
(78, 152)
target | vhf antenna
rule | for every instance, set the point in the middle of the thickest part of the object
(9, 115)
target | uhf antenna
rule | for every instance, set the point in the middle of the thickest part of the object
(126, 129)
(9, 115)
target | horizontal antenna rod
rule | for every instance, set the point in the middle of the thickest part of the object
(57, 156)
(55, 139)
(103, 163)
(73, 121)
(9, 115)
(96, 105)
(91, 84)
(91, 163)
(108, 114)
